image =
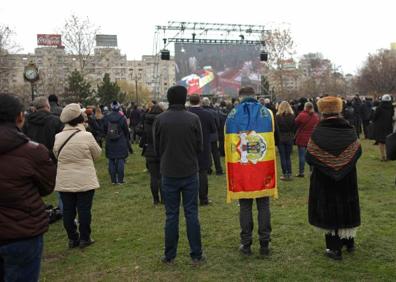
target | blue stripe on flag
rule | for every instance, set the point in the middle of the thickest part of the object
(249, 116)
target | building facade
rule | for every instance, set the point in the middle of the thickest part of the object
(55, 65)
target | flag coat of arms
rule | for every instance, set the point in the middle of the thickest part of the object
(250, 152)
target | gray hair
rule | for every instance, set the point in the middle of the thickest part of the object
(40, 103)
(308, 106)
(205, 102)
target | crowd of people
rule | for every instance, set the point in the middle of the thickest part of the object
(182, 145)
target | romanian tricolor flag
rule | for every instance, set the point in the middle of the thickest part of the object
(250, 152)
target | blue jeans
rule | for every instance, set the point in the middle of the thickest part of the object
(60, 204)
(301, 159)
(116, 170)
(172, 190)
(20, 260)
(285, 150)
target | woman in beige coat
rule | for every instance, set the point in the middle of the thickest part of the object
(76, 180)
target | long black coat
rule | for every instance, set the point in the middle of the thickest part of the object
(208, 128)
(333, 193)
(383, 118)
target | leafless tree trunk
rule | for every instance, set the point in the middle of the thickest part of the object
(280, 46)
(378, 75)
(78, 36)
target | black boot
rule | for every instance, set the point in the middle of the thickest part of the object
(264, 249)
(349, 244)
(245, 250)
(333, 247)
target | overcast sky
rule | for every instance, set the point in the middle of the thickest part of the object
(344, 31)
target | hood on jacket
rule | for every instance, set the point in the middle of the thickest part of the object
(39, 117)
(11, 138)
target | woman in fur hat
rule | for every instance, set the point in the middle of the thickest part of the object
(333, 151)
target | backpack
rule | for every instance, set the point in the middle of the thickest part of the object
(113, 130)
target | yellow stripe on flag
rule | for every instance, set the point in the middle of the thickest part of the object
(233, 155)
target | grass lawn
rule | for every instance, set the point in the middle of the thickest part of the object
(128, 231)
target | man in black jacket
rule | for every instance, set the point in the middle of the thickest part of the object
(42, 126)
(178, 141)
(214, 138)
(208, 129)
(23, 219)
(55, 108)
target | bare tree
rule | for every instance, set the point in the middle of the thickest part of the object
(7, 42)
(7, 46)
(78, 36)
(378, 74)
(280, 46)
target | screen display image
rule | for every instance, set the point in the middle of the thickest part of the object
(217, 69)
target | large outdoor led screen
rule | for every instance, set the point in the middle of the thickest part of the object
(217, 69)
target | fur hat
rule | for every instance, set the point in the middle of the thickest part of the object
(330, 105)
(71, 112)
(177, 95)
(386, 98)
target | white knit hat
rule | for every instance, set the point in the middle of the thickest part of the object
(71, 112)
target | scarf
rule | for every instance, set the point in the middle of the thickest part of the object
(334, 148)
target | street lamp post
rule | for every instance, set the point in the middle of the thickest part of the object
(31, 74)
(136, 75)
(136, 91)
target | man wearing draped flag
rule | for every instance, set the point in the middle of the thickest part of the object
(251, 166)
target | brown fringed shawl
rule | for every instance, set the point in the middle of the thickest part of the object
(333, 148)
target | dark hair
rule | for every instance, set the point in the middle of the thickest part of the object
(10, 108)
(246, 91)
(77, 120)
(194, 99)
(53, 98)
(156, 109)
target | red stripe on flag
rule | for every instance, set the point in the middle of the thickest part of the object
(251, 177)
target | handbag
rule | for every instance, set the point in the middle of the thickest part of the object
(390, 144)
(370, 131)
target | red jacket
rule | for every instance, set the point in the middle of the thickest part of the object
(26, 174)
(305, 124)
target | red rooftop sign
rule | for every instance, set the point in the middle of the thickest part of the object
(49, 40)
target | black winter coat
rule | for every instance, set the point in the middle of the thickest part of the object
(147, 140)
(208, 129)
(333, 151)
(286, 128)
(178, 141)
(383, 119)
(215, 135)
(41, 127)
(117, 149)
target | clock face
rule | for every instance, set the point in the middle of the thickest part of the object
(31, 73)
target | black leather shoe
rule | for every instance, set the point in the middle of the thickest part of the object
(264, 249)
(334, 254)
(199, 261)
(84, 244)
(245, 250)
(167, 261)
(73, 244)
